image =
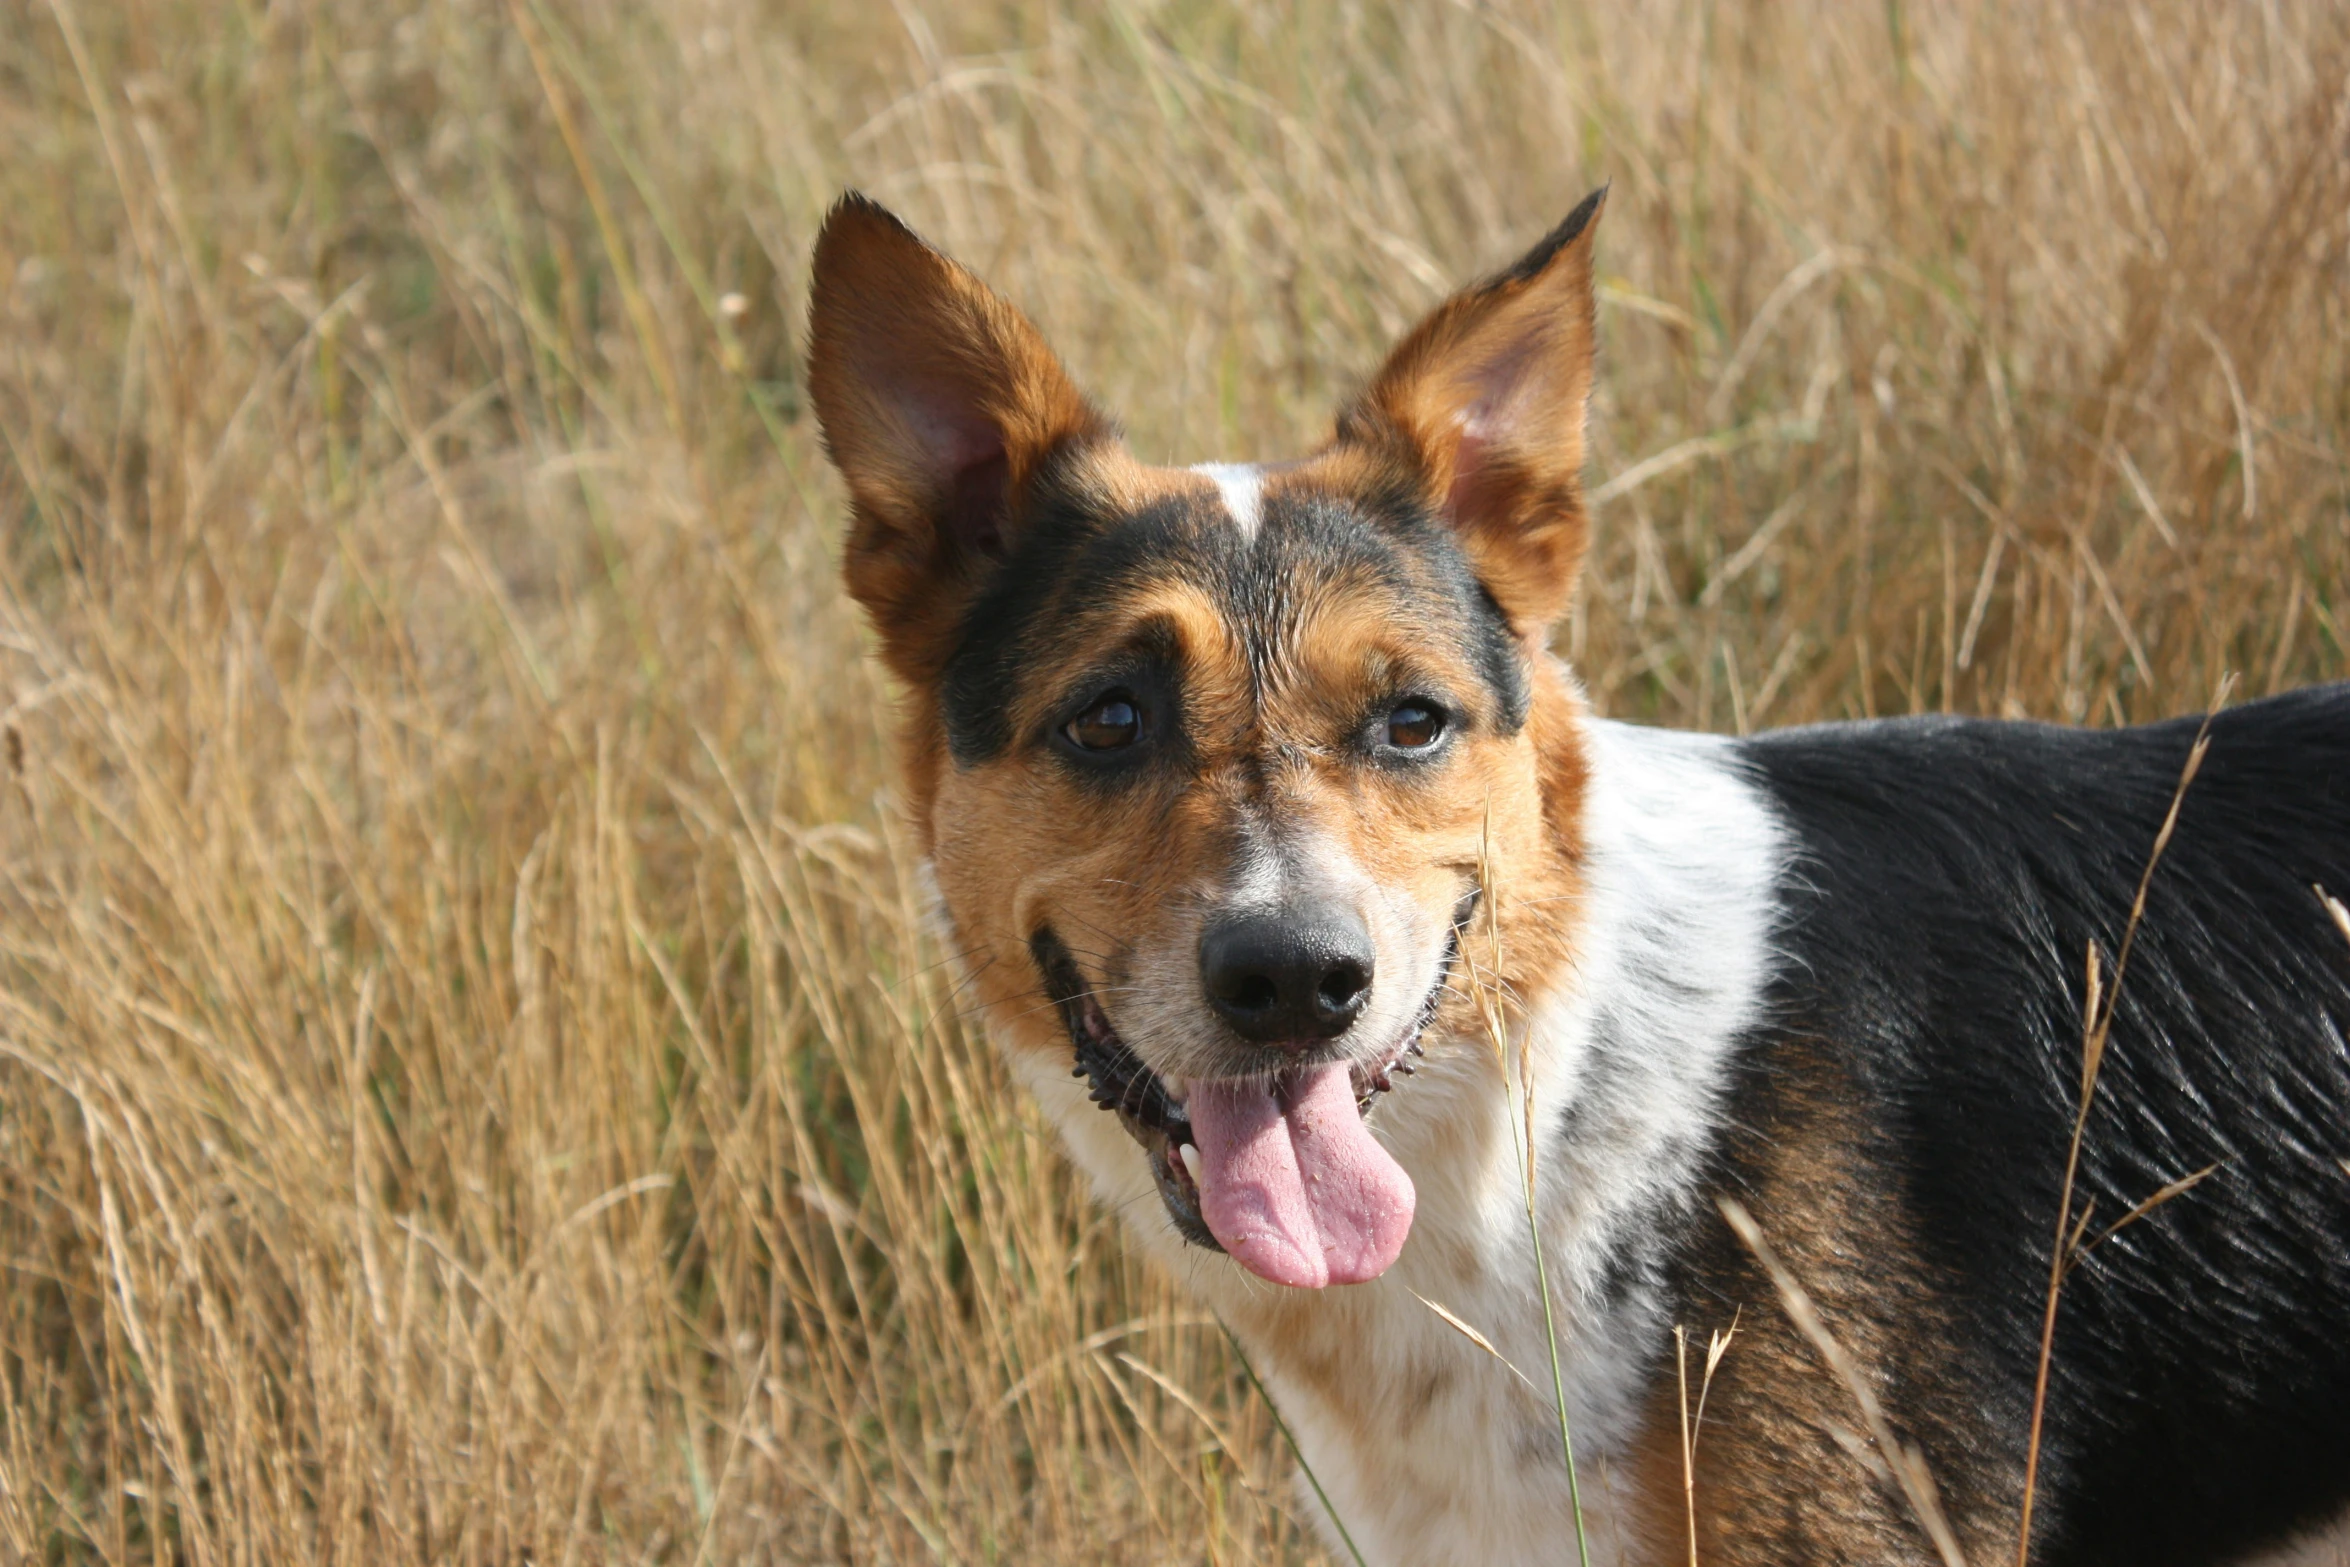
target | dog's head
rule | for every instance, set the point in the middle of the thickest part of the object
(1208, 760)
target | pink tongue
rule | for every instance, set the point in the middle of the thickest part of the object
(1294, 1187)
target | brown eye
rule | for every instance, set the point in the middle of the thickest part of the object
(1111, 724)
(1414, 726)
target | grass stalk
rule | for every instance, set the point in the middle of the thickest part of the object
(2334, 907)
(1558, 1378)
(1898, 1464)
(1717, 1344)
(1688, 1453)
(1290, 1438)
(1493, 1014)
(2097, 1014)
(483, 686)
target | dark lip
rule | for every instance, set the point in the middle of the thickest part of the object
(1118, 1081)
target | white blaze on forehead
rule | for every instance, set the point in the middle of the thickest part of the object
(1243, 487)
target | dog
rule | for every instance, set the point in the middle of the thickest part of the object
(1297, 880)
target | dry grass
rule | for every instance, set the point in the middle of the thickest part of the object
(472, 1084)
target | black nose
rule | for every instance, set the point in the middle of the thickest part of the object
(1287, 976)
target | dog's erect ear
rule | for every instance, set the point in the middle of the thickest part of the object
(1485, 400)
(938, 401)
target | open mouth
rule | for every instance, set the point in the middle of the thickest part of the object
(1279, 1166)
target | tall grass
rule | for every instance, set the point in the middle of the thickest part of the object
(474, 1086)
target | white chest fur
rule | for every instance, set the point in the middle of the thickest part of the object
(1430, 1451)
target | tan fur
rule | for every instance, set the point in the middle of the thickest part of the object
(1486, 400)
(1776, 1409)
(922, 373)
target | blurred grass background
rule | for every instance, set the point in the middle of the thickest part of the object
(473, 1085)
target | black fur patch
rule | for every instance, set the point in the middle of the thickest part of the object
(1533, 261)
(1065, 550)
(1951, 875)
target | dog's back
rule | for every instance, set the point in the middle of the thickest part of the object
(1927, 1016)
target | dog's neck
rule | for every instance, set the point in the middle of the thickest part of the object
(1425, 1441)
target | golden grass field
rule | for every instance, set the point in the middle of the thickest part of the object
(474, 1086)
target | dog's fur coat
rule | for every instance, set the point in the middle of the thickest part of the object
(1836, 973)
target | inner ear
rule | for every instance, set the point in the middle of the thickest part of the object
(965, 449)
(1484, 403)
(974, 507)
